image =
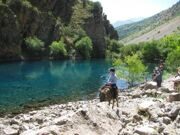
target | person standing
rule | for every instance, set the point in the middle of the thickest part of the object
(158, 76)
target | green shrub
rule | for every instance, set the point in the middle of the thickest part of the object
(173, 59)
(168, 44)
(57, 48)
(84, 47)
(73, 33)
(114, 46)
(4, 1)
(151, 52)
(34, 44)
(131, 69)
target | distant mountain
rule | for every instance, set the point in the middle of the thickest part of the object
(131, 31)
(123, 22)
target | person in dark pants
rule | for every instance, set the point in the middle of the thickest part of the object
(157, 77)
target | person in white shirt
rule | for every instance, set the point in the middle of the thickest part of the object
(112, 80)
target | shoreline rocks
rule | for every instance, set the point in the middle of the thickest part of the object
(140, 112)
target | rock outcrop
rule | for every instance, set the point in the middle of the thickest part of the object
(46, 20)
(10, 38)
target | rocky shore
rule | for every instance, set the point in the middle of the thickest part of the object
(140, 112)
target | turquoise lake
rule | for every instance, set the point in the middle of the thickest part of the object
(24, 82)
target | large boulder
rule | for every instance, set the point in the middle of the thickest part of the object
(174, 97)
(149, 85)
(10, 38)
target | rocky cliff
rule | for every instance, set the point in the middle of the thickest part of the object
(48, 20)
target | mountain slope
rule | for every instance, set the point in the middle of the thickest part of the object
(159, 32)
(120, 23)
(133, 30)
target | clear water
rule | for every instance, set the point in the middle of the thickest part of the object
(23, 82)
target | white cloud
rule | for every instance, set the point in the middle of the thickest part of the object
(127, 9)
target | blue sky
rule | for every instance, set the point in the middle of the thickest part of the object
(127, 9)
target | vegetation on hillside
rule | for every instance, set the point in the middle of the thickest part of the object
(57, 48)
(138, 28)
(42, 26)
(34, 45)
(166, 49)
(84, 47)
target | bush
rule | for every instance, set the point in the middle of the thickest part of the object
(173, 59)
(4, 1)
(34, 44)
(57, 48)
(132, 69)
(151, 52)
(114, 46)
(84, 47)
(168, 44)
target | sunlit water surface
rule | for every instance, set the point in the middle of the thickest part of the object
(24, 82)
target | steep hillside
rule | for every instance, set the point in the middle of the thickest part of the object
(157, 33)
(41, 22)
(133, 30)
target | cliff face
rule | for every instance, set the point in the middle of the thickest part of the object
(9, 34)
(46, 20)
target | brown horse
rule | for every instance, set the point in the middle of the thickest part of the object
(107, 94)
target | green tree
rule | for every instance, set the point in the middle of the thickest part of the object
(114, 46)
(151, 52)
(57, 48)
(34, 44)
(4, 1)
(173, 59)
(168, 44)
(84, 47)
(131, 69)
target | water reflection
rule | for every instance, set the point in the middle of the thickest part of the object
(31, 81)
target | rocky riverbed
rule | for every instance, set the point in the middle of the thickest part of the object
(140, 112)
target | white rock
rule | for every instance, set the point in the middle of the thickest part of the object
(11, 131)
(61, 121)
(144, 106)
(150, 85)
(29, 132)
(145, 130)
